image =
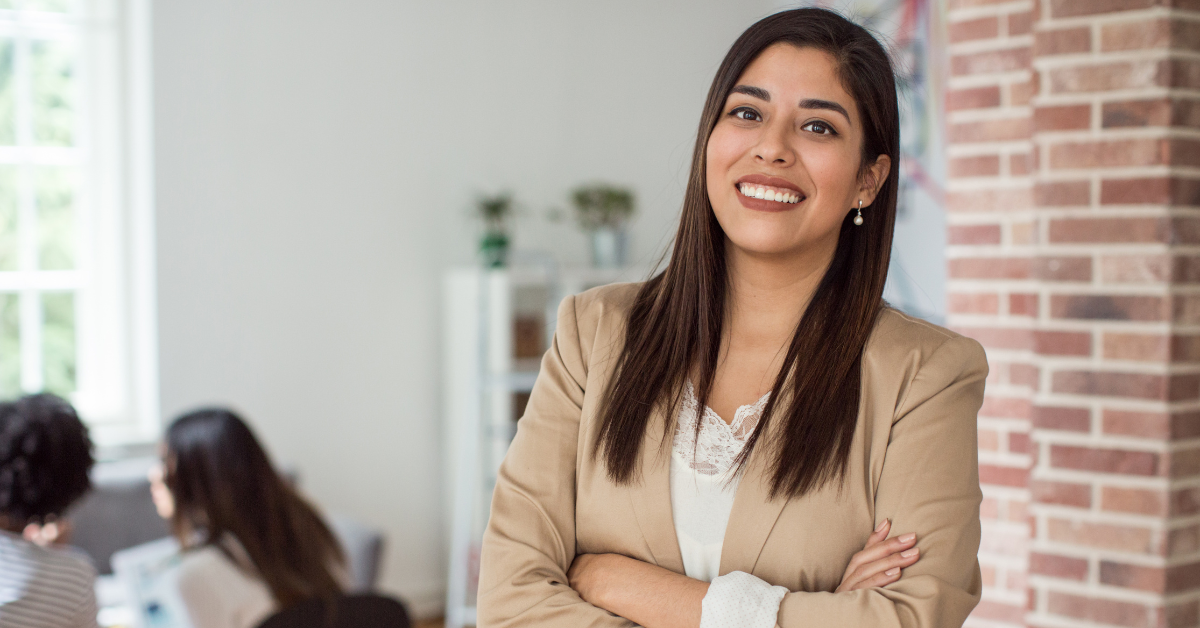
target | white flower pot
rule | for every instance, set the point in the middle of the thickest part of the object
(609, 246)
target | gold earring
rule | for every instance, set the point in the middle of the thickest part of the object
(858, 220)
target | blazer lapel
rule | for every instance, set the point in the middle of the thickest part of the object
(651, 496)
(754, 513)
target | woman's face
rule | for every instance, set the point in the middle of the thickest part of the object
(160, 493)
(791, 133)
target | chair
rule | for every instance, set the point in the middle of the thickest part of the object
(363, 547)
(350, 611)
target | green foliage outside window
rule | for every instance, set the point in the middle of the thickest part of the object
(58, 342)
(10, 347)
(8, 218)
(55, 189)
(53, 93)
(8, 96)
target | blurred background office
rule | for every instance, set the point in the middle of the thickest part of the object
(260, 204)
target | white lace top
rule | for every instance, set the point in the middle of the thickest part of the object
(702, 492)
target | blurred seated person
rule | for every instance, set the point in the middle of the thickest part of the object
(45, 457)
(251, 545)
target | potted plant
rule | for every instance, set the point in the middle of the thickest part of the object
(603, 211)
(495, 211)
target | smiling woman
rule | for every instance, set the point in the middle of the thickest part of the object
(753, 437)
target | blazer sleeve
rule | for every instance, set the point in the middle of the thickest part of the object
(529, 542)
(929, 485)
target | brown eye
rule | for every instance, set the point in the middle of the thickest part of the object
(745, 113)
(818, 127)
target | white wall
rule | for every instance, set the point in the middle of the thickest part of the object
(315, 166)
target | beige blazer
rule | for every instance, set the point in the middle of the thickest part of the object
(913, 460)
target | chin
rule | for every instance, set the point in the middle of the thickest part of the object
(765, 246)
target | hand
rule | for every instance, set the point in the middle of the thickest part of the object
(880, 561)
(588, 575)
(54, 532)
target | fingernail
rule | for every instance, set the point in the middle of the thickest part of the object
(891, 572)
(910, 553)
(908, 538)
(881, 526)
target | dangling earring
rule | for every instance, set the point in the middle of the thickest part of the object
(858, 220)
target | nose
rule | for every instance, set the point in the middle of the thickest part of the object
(773, 147)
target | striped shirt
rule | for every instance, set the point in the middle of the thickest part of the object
(44, 587)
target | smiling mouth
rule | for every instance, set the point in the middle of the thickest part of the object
(768, 193)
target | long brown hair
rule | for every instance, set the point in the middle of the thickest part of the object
(223, 483)
(675, 324)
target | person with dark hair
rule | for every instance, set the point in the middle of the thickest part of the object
(252, 545)
(45, 458)
(753, 437)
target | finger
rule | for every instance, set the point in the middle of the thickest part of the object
(880, 533)
(894, 561)
(877, 536)
(879, 580)
(862, 580)
(882, 550)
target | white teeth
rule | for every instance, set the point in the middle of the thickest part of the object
(780, 196)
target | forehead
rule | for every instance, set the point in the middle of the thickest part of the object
(791, 74)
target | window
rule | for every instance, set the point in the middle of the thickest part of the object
(76, 274)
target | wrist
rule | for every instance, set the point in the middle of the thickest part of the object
(606, 584)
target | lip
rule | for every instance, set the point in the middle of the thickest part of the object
(761, 204)
(775, 182)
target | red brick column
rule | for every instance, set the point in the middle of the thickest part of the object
(991, 291)
(1075, 259)
(1114, 421)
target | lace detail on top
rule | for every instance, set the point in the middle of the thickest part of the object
(719, 443)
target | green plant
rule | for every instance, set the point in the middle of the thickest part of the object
(495, 211)
(600, 205)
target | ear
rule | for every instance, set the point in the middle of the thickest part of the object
(873, 179)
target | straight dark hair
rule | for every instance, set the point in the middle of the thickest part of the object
(223, 483)
(675, 325)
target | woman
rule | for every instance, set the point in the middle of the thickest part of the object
(251, 544)
(45, 457)
(729, 443)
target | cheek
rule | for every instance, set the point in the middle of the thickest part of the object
(721, 153)
(835, 175)
(164, 501)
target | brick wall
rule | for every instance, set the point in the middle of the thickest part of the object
(1074, 184)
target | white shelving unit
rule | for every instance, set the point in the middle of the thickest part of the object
(497, 324)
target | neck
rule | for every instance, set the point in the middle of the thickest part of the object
(769, 293)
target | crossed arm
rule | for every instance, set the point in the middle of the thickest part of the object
(653, 597)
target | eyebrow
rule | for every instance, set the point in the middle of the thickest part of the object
(807, 103)
(817, 103)
(753, 92)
